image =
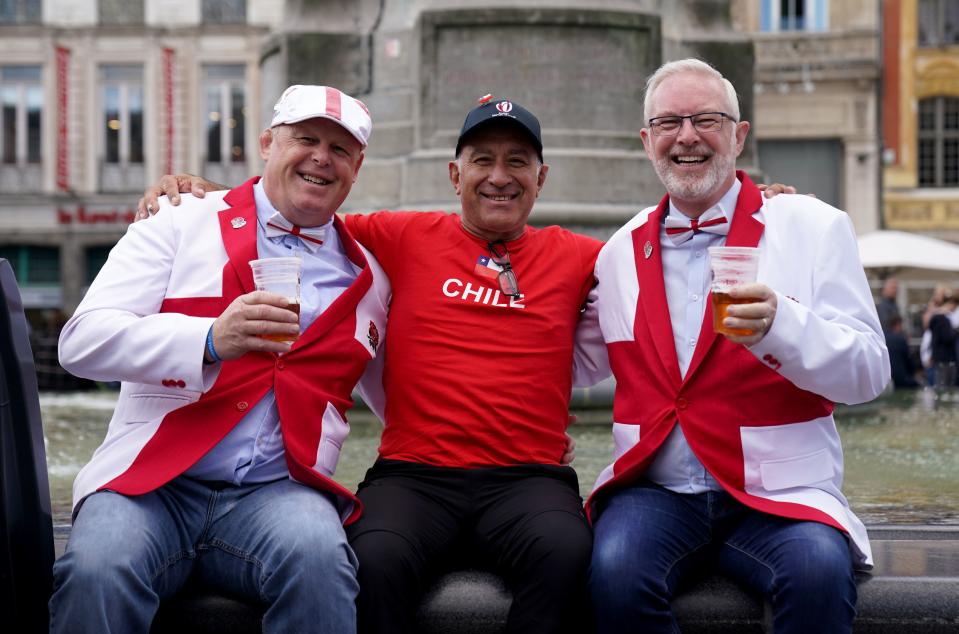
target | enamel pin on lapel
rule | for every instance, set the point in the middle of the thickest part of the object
(648, 249)
(238, 222)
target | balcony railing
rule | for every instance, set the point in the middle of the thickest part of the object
(21, 179)
(804, 56)
(129, 177)
(931, 209)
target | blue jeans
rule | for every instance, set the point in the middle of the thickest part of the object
(279, 544)
(649, 542)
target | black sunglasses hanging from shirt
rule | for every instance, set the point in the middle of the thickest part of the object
(506, 277)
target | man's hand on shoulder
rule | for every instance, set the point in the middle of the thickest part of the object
(775, 189)
(172, 185)
(770, 191)
(240, 328)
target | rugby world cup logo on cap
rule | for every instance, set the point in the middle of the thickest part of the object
(504, 106)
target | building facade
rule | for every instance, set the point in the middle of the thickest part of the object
(921, 126)
(921, 131)
(818, 71)
(100, 97)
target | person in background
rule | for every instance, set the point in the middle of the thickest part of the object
(944, 343)
(887, 308)
(900, 359)
(934, 305)
(925, 359)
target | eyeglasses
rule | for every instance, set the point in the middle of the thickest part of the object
(703, 122)
(506, 277)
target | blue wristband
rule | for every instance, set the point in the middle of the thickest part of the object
(209, 346)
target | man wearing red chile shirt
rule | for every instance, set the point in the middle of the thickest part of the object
(477, 385)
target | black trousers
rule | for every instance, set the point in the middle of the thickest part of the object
(525, 523)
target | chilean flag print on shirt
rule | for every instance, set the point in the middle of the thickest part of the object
(485, 267)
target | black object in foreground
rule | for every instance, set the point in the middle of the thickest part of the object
(26, 526)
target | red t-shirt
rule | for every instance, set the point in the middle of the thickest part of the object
(472, 378)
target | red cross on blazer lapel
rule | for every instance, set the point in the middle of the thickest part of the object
(652, 290)
(238, 228)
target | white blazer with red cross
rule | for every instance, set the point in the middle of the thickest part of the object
(144, 322)
(759, 418)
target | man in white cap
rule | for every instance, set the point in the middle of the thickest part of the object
(218, 461)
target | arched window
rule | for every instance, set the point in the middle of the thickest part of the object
(939, 142)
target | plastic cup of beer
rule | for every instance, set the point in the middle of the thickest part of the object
(731, 266)
(280, 276)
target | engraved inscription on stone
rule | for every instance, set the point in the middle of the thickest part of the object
(580, 80)
(911, 211)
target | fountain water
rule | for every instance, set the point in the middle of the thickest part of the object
(902, 452)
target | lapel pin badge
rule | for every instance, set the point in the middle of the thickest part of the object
(648, 249)
(238, 222)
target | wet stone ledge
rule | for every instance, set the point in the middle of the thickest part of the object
(914, 588)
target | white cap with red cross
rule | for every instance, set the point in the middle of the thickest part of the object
(299, 103)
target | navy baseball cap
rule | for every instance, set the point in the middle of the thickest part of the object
(491, 109)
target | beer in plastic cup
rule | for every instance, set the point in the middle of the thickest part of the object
(731, 266)
(280, 276)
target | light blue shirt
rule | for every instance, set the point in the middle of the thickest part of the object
(253, 451)
(686, 275)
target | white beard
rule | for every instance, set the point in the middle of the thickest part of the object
(692, 187)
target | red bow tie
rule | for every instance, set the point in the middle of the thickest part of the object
(680, 229)
(278, 226)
